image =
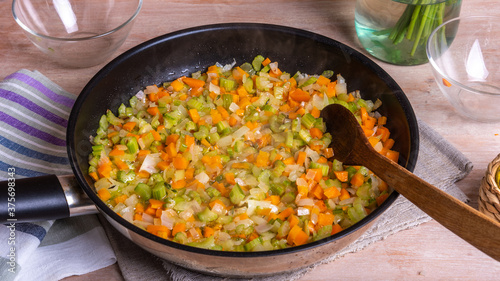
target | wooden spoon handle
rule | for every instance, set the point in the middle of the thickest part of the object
(463, 220)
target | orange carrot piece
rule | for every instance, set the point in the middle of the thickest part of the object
(331, 192)
(283, 215)
(178, 227)
(266, 62)
(392, 155)
(230, 178)
(208, 231)
(189, 174)
(155, 204)
(129, 126)
(156, 135)
(195, 116)
(180, 163)
(193, 83)
(116, 152)
(315, 112)
(316, 133)
(179, 184)
(104, 194)
(153, 110)
(301, 158)
(344, 194)
(357, 180)
(336, 229)
(299, 95)
(381, 198)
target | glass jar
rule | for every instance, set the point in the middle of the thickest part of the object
(395, 31)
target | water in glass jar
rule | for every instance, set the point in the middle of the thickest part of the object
(396, 31)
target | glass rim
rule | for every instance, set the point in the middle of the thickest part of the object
(29, 30)
(439, 69)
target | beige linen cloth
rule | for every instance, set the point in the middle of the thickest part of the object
(434, 154)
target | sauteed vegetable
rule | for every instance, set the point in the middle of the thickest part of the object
(237, 159)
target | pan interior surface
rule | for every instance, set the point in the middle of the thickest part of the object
(181, 53)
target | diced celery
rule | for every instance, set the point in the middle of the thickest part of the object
(289, 139)
(325, 169)
(309, 81)
(279, 168)
(143, 190)
(257, 62)
(202, 132)
(125, 176)
(308, 120)
(305, 135)
(236, 194)
(277, 188)
(159, 191)
(288, 197)
(112, 119)
(227, 84)
(323, 232)
(337, 165)
(207, 215)
(327, 73)
(250, 245)
(132, 145)
(103, 122)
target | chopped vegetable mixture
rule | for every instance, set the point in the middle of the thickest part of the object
(237, 159)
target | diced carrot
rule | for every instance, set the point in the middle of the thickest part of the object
(138, 217)
(446, 83)
(318, 174)
(177, 85)
(315, 112)
(121, 165)
(208, 231)
(232, 121)
(216, 116)
(322, 80)
(180, 163)
(116, 152)
(189, 174)
(193, 83)
(153, 110)
(262, 159)
(297, 236)
(155, 228)
(301, 158)
(143, 152)
(341, 175)
(325, 219)
(317, 191)
(104, 194)
(94, 176)
(153, 97)
(266, 62)
(293, 220)
(382, 120)
(299, 95)
(189, 140)
(381, 198)
(357, 180)
(205, 143)
(316, 133)
(178, 227)
(129, 126)
(104, 170)
(139, 208)
(331, 192)
(283, 215)
(156, 135)
(336, 229)
(121, 198)
(155, 204)
(171, 138)
(179, 184)
(230, 178)
(369, 123)
(289, 161)
(344, 194)
(223, 112)
(143, 174)
(195, 116)
(392, 155)
(330, 89)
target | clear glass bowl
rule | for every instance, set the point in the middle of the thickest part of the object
(76, 33)
(465, 59)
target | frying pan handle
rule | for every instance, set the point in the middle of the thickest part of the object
(42, 198)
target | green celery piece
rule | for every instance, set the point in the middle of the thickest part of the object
(148, 139)
(125, 176)
(327, 73)
(236, 194)
(308, 120)
(227, 84)
(277, 189)
(159, 191)
(143, 190)
(207, 243)
(305, 135)
(257, 62)
(112, 119)
(132, 145)
(308, 82)
(323, 232)
(103, 123)
(207, 215)
(227, 99)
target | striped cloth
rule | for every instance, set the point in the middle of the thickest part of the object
(33, 119)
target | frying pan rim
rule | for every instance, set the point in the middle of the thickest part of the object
(289, 31)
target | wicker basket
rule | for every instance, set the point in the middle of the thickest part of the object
(489, 193)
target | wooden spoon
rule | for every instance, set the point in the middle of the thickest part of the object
(352, 147)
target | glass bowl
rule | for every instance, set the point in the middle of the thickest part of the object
(465, 59)
(76, 33)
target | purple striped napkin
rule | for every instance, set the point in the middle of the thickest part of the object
(34, 114)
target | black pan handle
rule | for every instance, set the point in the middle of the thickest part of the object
(42, 198)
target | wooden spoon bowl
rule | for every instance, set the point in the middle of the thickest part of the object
(352, 147)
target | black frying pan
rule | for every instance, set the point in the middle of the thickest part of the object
(167, 57)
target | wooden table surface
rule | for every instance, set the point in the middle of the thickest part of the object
(428, 251)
